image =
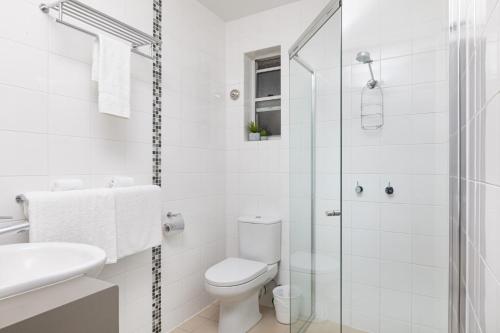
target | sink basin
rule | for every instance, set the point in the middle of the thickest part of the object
(28, 266)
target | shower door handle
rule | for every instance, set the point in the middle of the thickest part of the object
(333, 213)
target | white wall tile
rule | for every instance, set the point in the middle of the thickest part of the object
(23, 153)
(429, 311)
(78, 84)
(69, 116)
(395, 305)
(30, 28)
(430, 281)
(366, 243)
(69, 155)
(410, 151)
(23, 109)
(49, 118)
(194, 159)
(430, 250)
(396, 275)
(430, 67)
(395, 246)
(396, 71)
(365, 271)
(23, 66)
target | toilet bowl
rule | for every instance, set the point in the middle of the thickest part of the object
(236, 282)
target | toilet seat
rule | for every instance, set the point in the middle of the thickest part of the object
(233, 272)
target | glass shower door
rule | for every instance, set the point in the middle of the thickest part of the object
(301, 198)
(315, 176)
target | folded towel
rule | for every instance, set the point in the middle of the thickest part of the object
(80, 216)
(111, 69)
(121, 181)
(138, 218)
(66, 185)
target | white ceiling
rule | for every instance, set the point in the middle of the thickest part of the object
(232, 9)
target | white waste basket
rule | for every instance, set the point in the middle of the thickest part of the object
(282, 300)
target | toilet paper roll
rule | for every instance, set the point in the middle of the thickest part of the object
(173, 223)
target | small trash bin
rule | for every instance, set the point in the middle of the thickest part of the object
(283, 297)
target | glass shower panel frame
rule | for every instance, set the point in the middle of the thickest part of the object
(301, 195)
(315, 227)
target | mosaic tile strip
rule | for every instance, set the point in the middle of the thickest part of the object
(156, 252)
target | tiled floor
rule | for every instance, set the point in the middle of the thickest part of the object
(207, 322)
(330, 327)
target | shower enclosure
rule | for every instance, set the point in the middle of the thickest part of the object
(369, 169)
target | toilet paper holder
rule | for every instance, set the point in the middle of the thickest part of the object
(173, 222)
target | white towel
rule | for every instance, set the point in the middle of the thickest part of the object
(138, 218)
(66, 185)
(111, 69)
(80, 216)
(121, 181)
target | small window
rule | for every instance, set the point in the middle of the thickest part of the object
(267, 94)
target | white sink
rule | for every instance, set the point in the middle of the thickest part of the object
(28, 266)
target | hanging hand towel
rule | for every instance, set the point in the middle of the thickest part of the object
(111, 69)
(138, 218)
(80, 216)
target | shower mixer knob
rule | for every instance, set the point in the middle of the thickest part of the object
(359, 189)
(389, 190)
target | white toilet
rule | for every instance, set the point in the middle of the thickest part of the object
(236, 282)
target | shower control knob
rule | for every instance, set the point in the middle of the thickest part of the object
(389, 190)
(359, 189)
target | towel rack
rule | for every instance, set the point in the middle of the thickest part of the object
(97, 19)
(15, 228)
(20, 198)
(18, 227)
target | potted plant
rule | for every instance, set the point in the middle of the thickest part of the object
(264, 135)
(253, 131)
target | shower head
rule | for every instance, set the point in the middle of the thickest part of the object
(364, 57)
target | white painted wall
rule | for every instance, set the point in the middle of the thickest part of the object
(193, 154)
(50, 127)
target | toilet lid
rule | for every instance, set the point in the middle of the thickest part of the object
(234, 271)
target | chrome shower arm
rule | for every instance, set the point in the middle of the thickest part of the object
(371, 70)
(371, 83)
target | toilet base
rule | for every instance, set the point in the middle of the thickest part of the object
(239, 316)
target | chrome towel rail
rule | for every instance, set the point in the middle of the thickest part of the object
(15, 228)
(20, 198)
(92, 17)
(18, 227)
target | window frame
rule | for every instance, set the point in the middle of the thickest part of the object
(255, 73)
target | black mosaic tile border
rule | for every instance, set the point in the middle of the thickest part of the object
(156, 251)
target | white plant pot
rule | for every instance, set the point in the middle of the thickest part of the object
(253, 136)
(263, 138)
